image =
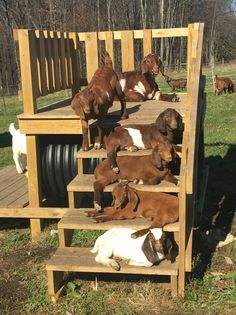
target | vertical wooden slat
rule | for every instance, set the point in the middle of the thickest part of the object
(49, 65)
(42, 63)
(91, 50)
(55, 57)
(28, 64)
(127, 50)
(75, 63)
(62, 59)
(189, 51)
(109, 45)
(68, 62)
(147, 42)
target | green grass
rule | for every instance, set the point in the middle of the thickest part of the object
(211, 288)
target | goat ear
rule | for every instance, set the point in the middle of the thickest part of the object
(144, 67)
(161, 123)
(133, 198)
(148, 249)
(169, 246)
(156, 158)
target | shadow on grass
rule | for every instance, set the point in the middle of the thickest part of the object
(5, 140)
(219, 211)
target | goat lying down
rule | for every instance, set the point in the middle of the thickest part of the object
(95, 100)
(144, 251)
(134, 137)
(148, 169)
(129, 203)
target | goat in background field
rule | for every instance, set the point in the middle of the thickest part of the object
(223, 84)
(19, 149)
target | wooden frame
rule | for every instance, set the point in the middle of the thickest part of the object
(49, 62)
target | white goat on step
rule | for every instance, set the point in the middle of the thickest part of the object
(143, 251)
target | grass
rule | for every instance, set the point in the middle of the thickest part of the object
(211, 288)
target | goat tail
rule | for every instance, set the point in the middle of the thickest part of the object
(107, 60)
(12, 129)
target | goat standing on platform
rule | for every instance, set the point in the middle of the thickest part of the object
(95, 100)
(144, 251)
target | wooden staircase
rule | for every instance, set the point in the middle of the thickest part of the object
(72, 259)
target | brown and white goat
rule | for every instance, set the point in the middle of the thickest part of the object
(223, 84)
(94, 101)
(139, 86)
(148, 169)
(129, 203)
(134, 137)
(176, 83)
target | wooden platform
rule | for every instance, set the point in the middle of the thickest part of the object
(84, 183)
(43, 122)
(77, 219)
(13, 188)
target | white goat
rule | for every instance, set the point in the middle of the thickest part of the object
(118, 242)
(18, 149)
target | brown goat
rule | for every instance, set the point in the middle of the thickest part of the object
(129, 203)
(94, 101)
(148, 169)
(176, 83)
(134, 137)
(223, 84)
(139, 86)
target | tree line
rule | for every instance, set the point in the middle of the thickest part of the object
(219, 17)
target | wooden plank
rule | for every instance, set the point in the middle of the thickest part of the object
(91, 51)
(71, 259)
(127, 50)
(189, 53)
(34, 187)
(22, 201)
(68, 61)
(62, 59)
(12, 186)
(55, 59)
(50, 126)
(29, 72)
(41, 62)
(77, 219)
(84, 183)
(32, 212)
(147, 42)
(109, 45)
(14, 195)
(102, 153)
(75, 64)
(11, 169)
(138, 34)
(49, 64)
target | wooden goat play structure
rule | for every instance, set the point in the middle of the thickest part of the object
(53, 61)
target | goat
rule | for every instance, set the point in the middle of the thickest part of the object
(223, 84)
(176, 83)
(134, 137)
(95, 100)
(19, 149)
(167, 97)
(148, 169)
(145, 251)
(129, 203)
(139, 86)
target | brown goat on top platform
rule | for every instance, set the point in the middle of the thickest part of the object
(134, 137)
(139, 86)
(223, 84)
(129, 203)
(176, 83)
(148, 169)
(94, 101)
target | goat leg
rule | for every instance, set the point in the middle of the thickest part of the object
(98, 190)
(85, 144)
(171, 178)
(121, 97)
(111, 156)
(98, 140)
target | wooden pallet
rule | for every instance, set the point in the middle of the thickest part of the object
(72, 259)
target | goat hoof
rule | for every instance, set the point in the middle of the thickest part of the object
(85, 148)
(115, 265)
(97, 146)
(116, 170)
(97, 206)
(123, 117)
(133, 148)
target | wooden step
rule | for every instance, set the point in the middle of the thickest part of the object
(74, 259)
(84, 183)
(102, 153)
(76, 219)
